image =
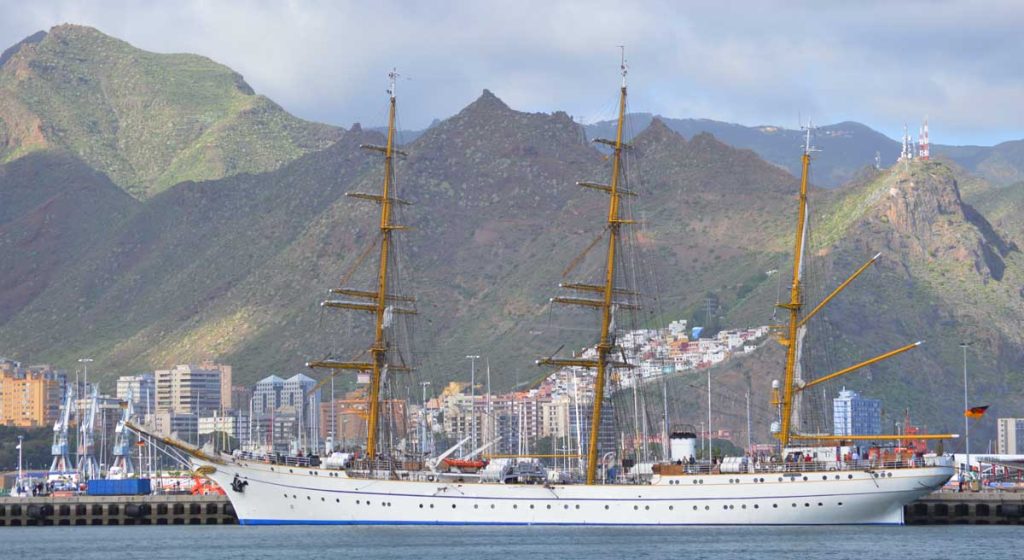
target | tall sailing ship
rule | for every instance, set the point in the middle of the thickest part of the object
(389, 485)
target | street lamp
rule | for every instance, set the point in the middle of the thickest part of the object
(423, 418)
(472, 398)
(85, 364)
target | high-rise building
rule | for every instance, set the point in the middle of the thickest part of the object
(1009, 436)
(266, 395)
(853, 414)
(143, 390)
(189, 389)
(30, 396)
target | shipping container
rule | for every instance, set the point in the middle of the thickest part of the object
(123, 487)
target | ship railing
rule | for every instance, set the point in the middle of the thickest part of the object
(751, 467)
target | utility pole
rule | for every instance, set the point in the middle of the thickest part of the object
(472, 400)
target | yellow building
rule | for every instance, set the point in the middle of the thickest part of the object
(29, 397)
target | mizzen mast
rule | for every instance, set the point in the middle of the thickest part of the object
(794, 383)
(379, 302)
(605, 301)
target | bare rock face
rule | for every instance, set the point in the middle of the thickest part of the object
(927, 220)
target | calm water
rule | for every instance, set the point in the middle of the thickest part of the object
(486, 543)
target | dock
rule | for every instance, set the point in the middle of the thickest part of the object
(117, 510)
(966, 508)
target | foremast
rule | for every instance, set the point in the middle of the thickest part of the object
(379, 302)
(606, 292)
(794, 383)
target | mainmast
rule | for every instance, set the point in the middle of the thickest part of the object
(796, 330)
(379, 301)
(606, 304)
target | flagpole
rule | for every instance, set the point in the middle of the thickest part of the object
(19, 484)
(967, 434)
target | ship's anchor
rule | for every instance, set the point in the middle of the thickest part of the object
(238, 485)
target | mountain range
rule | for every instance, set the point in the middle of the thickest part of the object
(142, 257)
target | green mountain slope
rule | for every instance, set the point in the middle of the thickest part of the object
(146, 120)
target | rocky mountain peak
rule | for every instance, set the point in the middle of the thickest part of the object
(918, 210)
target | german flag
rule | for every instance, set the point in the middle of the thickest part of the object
(975, 412)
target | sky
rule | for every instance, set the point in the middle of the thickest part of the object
(881, 63)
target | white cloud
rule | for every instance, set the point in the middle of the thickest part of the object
(752, 62)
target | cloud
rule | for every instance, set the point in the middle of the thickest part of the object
(881, 63)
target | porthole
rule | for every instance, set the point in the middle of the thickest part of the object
(794, 505)
(475, 506)
(421, 506)
(890, 475)
(577, 506)
(850, 476)
(531, 506)
(694, 481)
(647, 508)
(756, 506)
(295, 497)
(338, 501)
(492, 506)
(780, 479)
(291, 470)
(515, 506)
(670, 508)
(744, 506)
(308, 498)
(694, 508)
(606, 506)
(322, 499)
(840, 504)
(286, 495)
(725, 507)
(707, 508)
(431, 506)
(549, 506)
(824, 477)
(820, 504)
(806, 504)
(837, 477)
(358, 502)
(775, 506)
(453, 506)
(636, 508)
(566, 506)
(805, 478)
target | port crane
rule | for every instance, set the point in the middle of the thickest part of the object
(61, 469)
(87, 467)
(122, 467)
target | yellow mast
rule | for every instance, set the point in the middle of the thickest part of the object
(792, 386)
(607, 291)
(795, 298)
(380, 304)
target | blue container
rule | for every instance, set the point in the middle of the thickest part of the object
(125, 487)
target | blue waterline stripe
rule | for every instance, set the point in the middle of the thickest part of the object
(255, 522)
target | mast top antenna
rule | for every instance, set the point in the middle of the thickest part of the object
(392, 81)
(808, 148)
(622, 63)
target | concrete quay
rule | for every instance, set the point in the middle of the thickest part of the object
(117, 510)
(966, 508)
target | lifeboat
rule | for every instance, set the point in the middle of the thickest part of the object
(465, 464)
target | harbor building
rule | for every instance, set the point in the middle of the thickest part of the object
(853, 414)
(191, 389)
(1009, 436)
(143, 390)
(30, 396)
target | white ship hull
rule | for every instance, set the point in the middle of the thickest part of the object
(280, 494)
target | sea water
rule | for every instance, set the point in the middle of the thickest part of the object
(958, 542)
